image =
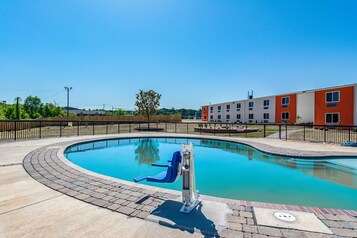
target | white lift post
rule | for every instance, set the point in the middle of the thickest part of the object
(189, 193)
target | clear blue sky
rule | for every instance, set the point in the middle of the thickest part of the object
(192, 52)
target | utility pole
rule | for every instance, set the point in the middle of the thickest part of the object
(18, 99)
(68, 89)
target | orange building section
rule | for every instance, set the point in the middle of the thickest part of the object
(344, 106)
(288, 108)
(204, 113)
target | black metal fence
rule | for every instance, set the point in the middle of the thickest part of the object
(32, 129)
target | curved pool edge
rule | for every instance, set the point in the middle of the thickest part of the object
(49, 166)
(268, 149)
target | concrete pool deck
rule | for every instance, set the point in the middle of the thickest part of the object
(96, 206)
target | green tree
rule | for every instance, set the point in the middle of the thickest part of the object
(185, 113)
(33, 106)
(147, 152)
(51, 110)
(119, 112)
(3, 107)
(11, 114)
(147, 103)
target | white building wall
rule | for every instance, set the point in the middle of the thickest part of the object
(305, 107)
(228, 112)
(213, 115)
(212, 112)
(247, 111)
(240, 111)
(258, 110)
(232, 112)
(225, 112)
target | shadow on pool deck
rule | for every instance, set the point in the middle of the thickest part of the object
(168, 214)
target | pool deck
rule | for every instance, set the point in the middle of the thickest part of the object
(44, 195)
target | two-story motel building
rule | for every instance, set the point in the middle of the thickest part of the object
(334, 105)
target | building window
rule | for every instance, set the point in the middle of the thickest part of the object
(251, 104)
(219, 108)
(204, 109)
(332, 118)
(211, 117)
(204, 118)
(228, 107)
(251, 116)
(228, 117)
(266, 104)
(211, 109)
(238, 106)
(333, 96)
(238, 116)
(285, 100)
(266, 116)
(219, 117)
(285, 116)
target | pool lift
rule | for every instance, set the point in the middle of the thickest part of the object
(182, 163)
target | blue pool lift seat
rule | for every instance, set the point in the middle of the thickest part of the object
(172, 173)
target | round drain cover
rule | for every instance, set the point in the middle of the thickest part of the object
(283, 216)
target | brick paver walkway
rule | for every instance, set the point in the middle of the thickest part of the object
(48, 166)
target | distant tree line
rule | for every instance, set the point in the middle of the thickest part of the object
(185, 113)
(147, 103)
(32, 108)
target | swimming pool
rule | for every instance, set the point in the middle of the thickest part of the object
(226, 169)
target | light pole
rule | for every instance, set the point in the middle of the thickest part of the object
(68, 89)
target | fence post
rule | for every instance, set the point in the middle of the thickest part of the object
(175, 127)
(129, 127)
(15, 136)
(93, 128)
(60, 128)
(186, 128)
(40, 135)
(106, 128)
(349, 133)
(157, 126)
(78, 125)
(304, 132)
(214, 129)
(118, 127)
(265, 134)
(165, 126)
(286, 131)
(279, 131)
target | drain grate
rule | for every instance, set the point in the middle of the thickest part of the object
(284, 216)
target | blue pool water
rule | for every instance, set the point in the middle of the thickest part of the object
(226, 169)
